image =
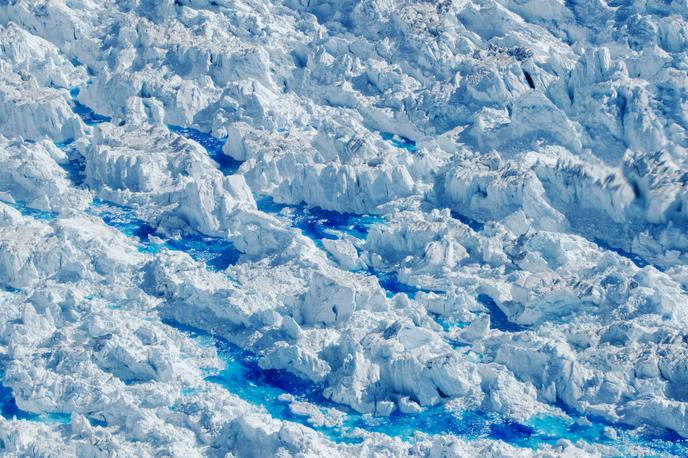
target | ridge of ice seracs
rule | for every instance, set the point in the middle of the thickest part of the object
(345, 228)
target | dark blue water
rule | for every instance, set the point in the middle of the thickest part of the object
(121, 218)
(661, 443)
(95, 422)
(89, 117)
(212, 145)
(498, 320)
(64, 144)
(9, 409)
(317, 223)
(468, 425)
(267, 204)
(76, 169)
(389, 281)
(216, 253)
(477, 226)
(76, 163)
(243, 377)
(8, 406)
(399, 141)
(634, 258)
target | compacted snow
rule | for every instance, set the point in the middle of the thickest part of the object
(343, 228)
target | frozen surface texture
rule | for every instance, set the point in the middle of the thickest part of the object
(343, 228)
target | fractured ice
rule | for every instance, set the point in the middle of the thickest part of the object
(343, 228)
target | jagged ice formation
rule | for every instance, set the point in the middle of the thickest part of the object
(343, 228)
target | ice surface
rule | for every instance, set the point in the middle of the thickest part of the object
(354, 228)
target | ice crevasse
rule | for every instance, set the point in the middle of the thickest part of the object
(347, 228)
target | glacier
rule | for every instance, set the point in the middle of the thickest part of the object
(346, 228)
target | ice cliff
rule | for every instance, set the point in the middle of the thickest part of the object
(343, 228)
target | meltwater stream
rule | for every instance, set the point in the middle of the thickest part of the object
(216, 253)
(278, 391)
(315, 223)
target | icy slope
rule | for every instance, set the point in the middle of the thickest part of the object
(354, 228)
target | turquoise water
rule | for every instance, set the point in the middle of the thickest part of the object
(399, 141)
(32, 212)
(447, 323)
(315, 223)
(243, 377)
(121, 218)
(10, 410)
(61, 418)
